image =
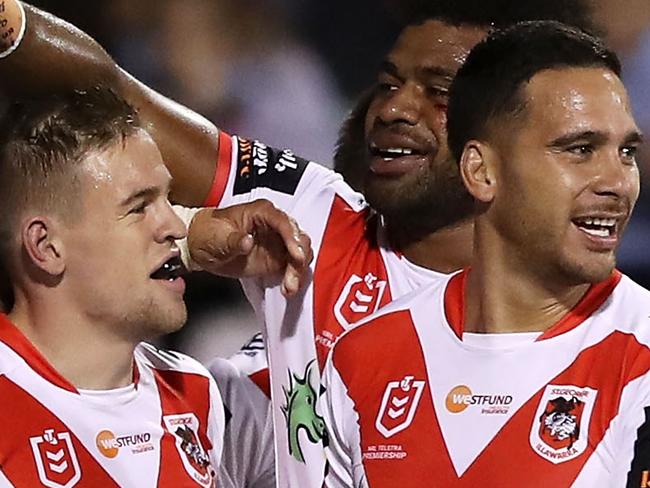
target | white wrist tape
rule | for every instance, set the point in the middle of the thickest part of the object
(7, 33)
(186, 214)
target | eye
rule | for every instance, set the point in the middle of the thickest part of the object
(387, 87)
(139, 209)
(581, 149)
(628, 154)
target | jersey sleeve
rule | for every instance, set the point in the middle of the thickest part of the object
(345, 466)
(248, 436)
(249, 170)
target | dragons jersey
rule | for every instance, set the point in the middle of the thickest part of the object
(354, 273)
(410, 403)
(164, 430)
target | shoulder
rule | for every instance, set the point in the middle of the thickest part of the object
(393, 322)
(628, 307)
(163, 360)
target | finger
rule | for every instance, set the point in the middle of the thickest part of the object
(279, 222)
(237, 244)
(293, 280)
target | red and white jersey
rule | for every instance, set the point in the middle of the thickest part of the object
(354, 274)
(411, 402)
(164, 430)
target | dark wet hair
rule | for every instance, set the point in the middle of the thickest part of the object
(489, 86)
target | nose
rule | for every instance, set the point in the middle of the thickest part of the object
(169, 226)
(404, 104)
(615, 178)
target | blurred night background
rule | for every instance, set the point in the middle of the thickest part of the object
(286, 72)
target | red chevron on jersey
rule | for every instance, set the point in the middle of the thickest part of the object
(166, 430)
(562, 410)
(349, 260)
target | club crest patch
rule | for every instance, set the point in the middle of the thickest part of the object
(185, 428)
(56, 459)
(561, 423)
(398, 405)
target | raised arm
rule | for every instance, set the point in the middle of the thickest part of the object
(54, 55)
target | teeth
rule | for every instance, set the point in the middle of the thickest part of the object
(598, 222)
(399, 151)
(597, 232)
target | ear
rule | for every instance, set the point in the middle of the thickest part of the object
(477, 171)
(42, 246)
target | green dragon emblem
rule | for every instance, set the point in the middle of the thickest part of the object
(300, 412)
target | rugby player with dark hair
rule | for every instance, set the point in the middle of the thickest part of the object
(532, 367)
(416, 228)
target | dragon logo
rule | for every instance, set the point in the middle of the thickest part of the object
(300, 412)
(561, 424)
(196, 461)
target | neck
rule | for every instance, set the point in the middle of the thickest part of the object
(446, 250)
(85, 353)
(503, 294)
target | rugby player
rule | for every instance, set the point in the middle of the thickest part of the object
(365, 260)
(88, 241)
(531, 368)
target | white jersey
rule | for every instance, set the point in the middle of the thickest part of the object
(248, 443)
(411, 403)
(164, 430)
(354, 274)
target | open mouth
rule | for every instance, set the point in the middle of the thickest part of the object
(597, 227)
(390, 153)
(170, 270)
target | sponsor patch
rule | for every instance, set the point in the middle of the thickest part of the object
(261, 166)
(56, 459)
(185, 427)
(109, 444)
(461, 397)
(398, 405)
(561, 423)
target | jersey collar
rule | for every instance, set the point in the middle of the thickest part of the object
(11, 336)
(454, 301)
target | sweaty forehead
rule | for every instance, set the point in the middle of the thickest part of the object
(125, 166)
(434, 44)
(576, 99)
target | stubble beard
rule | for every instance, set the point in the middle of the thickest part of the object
(421, 202)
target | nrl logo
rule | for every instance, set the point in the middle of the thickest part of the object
(360, 297)
(184, 428)
(398, 405)
(561, 424)
(56, 459)
(300, 412)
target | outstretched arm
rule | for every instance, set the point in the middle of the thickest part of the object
(54, 55)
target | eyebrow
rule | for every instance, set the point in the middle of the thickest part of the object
(437, 71)
(149, 192)
(596, 137)
(427, 71)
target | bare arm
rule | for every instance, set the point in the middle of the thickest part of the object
(55, 55)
